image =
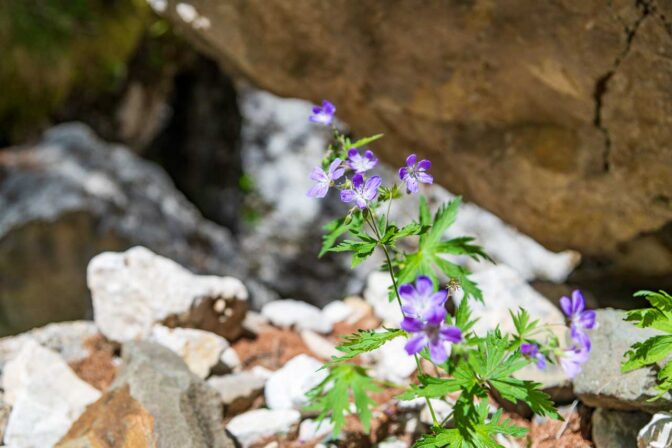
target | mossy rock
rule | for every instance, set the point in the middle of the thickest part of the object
(52, 48)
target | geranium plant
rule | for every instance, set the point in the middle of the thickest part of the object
(452, 360)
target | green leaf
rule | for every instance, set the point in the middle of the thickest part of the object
(514, 390)
(648, 352)
(660, 299)
(393, 233)
(431, 387)
(339, 227)
(332, 397)
(521, 321)
(664, 380)
(444, 218)
(363, 141)
(365, 341)
(463, 246)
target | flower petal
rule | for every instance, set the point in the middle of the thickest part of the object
(587, 319)
(352, 153)
(439, 298)
(411, 324)
(424, 286)
(318, 175)
(452, 334)
(358, 181)
(566, 306)
(416, 344)
(437, 351)
(334, 166)
(403, 172)
(411, 184)
(435, 315)
(529, 349)
(578, 304)
(348, 195)
(318, 191)
(410, 160)
(424, 164)
(361, 202)
(407, 292)
(425, 178)
(328, 108)
(371, 187)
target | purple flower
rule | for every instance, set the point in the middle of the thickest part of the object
(436, 336)
(361, 163)
(580, 319)
(362, 192)
(323, 115)
(421, 302)
(414, 172)
(325, 178)
(573, 358)
(532, 351)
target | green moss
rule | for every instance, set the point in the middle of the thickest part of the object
(52, 48)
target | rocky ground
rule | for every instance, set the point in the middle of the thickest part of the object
(175, 359)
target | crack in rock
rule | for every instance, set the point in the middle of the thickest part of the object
(601, 85)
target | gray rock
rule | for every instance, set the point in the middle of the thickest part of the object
(657, 433)
(601, 383)
(134, 290)
(186, 411)
(237, 391)
(73, 196)
(617, 429)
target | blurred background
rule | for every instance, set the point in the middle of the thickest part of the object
(182, 127)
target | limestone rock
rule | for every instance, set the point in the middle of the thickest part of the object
(287, 387)
(572, 119)
(300, 315)
(601, 383)
(310, 429)
(376, 294)
(657, 433)
(136, 289)
(254, 426)
(391, 362)
(617, 429)
(337, 311)
(46, 395)
(186, 412)
(237, 391)
(80, 196)
(319, 345)
(199, 349)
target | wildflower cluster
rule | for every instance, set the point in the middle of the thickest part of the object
(471, 366)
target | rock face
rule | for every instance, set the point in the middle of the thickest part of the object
(155, 392)
(73, 196)
(564, 134)
(136, 289)
(601, 383)
(617, 429)
(46, 395)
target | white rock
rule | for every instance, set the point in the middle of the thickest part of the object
(262, 372)
(199, 349)
(393, 442)
(503, 290)
(238, 390)
(47, 397)
(376, 294)
(312, 429)
(337, 311)
(231, 360)
(293, 313)
(441, 408)
(287, 387)
(133, 290)
(319, 345)
(253, 426)
(392, 363)
(359, 307)
(657, 433)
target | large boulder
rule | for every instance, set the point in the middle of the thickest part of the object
(73, 196)
(554, 115)
(155, 398)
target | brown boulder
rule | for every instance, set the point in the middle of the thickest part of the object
(553, 115)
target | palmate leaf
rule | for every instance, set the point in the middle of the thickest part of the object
(658, 317)
(345, 383)
(521, 321)
(431, 387)
(430, 258)
(365, 341)
(338, 228)
(648, 352)
(473, 435)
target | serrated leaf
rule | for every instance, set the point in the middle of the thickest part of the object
(647, 352)
(365, 341)
(463, 246)
(431, 387)
(521, 321)
(332, 397)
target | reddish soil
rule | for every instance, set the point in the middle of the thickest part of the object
(97, 369)
(271, 348)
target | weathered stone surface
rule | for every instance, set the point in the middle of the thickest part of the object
(657, 433)
(238, 391)
(300, 315)
(392, 363)
(254, 426)
(73, 196)
(617, 429)
(116, 420)
(186, 411)
(199, 349)
(572, 119)
(376, 294)
(46, 397)
(136, 289)
(287, 387)
(601, 383)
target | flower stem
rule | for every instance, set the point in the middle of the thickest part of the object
(396, 294)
